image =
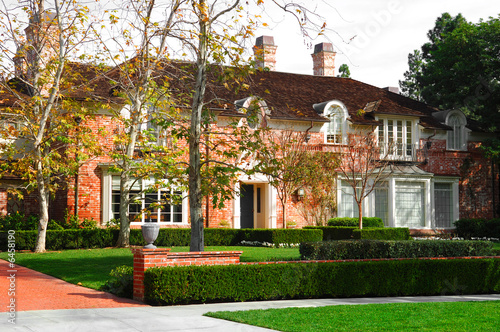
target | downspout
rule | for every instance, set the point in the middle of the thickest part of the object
(493, 187)
(307, 132)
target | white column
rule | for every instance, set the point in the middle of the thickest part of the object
(271, 206)
(391, 192)
(236, 207)
(427, 204)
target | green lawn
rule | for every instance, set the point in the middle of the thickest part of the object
(91, 267)
(441, 316)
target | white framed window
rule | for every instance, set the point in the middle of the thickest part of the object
(335, 130)
(443, 204)
(396, 138)
(165, 206)
(348, 206)
(409, 204)
(382, 201)
(457, 139)
(255, 110)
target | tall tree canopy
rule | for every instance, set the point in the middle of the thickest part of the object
(459, 68)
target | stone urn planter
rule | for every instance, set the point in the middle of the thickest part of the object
(150, 233)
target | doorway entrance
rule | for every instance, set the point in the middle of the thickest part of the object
(247, 206)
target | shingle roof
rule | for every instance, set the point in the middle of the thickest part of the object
(288, 96)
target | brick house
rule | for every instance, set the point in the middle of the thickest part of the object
(441, 174)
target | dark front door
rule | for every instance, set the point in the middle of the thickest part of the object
(246, 205)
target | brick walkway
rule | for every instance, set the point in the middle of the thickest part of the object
(38, 291)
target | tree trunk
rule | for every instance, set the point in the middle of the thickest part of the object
(43, 196)
(195, 192)
(124, 235)
(283, 206)
(360, 209)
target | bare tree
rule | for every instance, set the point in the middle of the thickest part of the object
(363, 165)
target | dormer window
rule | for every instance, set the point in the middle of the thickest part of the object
(255, 110)
(457, 139)
(335, 130)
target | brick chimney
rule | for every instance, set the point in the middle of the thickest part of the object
(323, 59)
(265, 52)
(41, 30)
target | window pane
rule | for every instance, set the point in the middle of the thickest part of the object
(382, 202)
(348, 206)
(409, 204)
(443, 201)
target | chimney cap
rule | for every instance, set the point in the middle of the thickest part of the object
(264, 40)
(393, 89)
(323, 47)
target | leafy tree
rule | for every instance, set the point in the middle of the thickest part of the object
(39, 125)
(141, 154)
(460, 68)
(410, 87)
(344, 71)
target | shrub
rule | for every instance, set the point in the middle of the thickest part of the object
(195, 284)
(332, 233)
(121, 282)
(354, 222)
(372, 249)
(167, 237)
(481, 228)
(18, 221)
(63, 239)
(396, 233)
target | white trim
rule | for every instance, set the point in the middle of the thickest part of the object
(107, 208)
(343, 124)
(457, 130)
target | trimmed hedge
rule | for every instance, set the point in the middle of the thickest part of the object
(354, 222)
(201, 284)
(334, 233)
(372, 249)
(167, 237)
(393, 233)
(481, 228)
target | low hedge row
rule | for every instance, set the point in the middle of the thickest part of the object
(392, 233)
(334, 233)
(372, 249)
(481, 228)
(200, 284)
(354, 222)
(101, 238)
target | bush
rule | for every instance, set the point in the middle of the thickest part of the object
(257, 282)
(372, 249)
(167, 237)
(121, 283)
(63, 239)
(354, 222)
(18, 221)
(396, 233)
(480, 228)
(333, 233)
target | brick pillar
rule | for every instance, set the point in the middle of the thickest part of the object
(146, 258)
(143, 259)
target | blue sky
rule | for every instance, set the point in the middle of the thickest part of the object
(384, 31)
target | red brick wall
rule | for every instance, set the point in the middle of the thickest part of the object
(475, 173)
(147, 258)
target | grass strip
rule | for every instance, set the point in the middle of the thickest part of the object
(436, 316)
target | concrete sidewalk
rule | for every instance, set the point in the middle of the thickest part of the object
(182, 318)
